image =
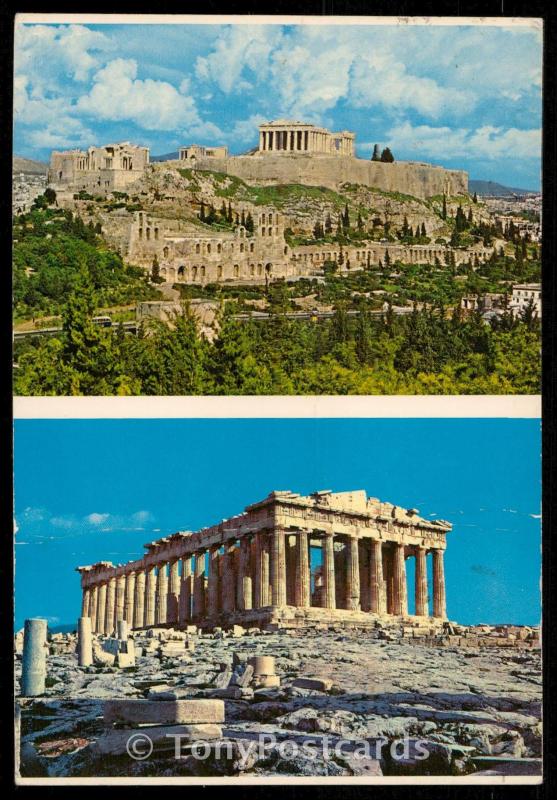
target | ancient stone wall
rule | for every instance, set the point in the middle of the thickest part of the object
(416, 179)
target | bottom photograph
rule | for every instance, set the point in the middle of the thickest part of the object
(278, 600)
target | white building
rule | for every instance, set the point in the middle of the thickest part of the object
(525, 293)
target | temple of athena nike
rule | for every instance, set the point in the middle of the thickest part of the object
(290, 560)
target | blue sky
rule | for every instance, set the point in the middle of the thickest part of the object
(466, 97)
(90, 490)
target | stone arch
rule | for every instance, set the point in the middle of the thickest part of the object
(148, 233)
(236, 271)
(202, 270)
(156, 234)
(219, 248)
(165, 252)
(181, 270)
(252, 269)
(197, 248)
(286, 250)
(219, 271)
(208, 247)
(194, 271)
(251, 247)
(260, 269)
(270, 232)
(268, 268)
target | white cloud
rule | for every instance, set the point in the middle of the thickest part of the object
(96, 519)
(487, 142)
(117, 94)
(240, 52)
(53, 54)
(378, 78)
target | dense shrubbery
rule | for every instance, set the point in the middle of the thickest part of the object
(50, 248)
(423, 353)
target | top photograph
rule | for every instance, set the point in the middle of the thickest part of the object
(255, 206)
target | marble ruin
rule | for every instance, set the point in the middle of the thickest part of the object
(101, 170)
(292, 560)
(284, 136)
(203, 257)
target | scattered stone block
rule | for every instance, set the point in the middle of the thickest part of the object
(116, 742)
(163, 711)
(223, 678)
(318, 684)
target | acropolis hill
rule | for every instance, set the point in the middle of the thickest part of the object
(288, 152)
(298, 176)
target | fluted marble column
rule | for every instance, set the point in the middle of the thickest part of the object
(352, 575)
(229, 579)
(303, 579)
(262, 570)
(101, 608)
(400, 602)
(161, 595)
(184, 611)
(93, 607)
(173, 600)
(377, 594)
(110, 604)
(199, 585)
(139, 600)
(328, 571)
(290, 556)
(85, 602)
(278, 568)
(213, 582)
(439, 598)
(129, 598)
(150, 589)
(244, 584)
(120, 598)
(420, 582)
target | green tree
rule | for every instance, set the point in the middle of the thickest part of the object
(376, 156)
(387, 156)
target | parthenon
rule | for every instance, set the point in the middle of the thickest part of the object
(291, 560)
(285, 136)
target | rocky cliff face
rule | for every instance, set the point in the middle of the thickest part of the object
(418, 180)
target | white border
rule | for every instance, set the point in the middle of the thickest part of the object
(276, 19)
(280, 406)
(432, 780)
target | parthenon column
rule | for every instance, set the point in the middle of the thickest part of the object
(400, 602)
(101, 608)
(303, 585)
(262, 570)
(439, 599)
(139, 600)
(129, 598)
(93, 607)
(184, 611)
(120, 598)
(150, 589)
(229, 579)
(328, 571)
(109, 612)
(352, 575)
(244, 585)
(161, 595)
(261, 140)
(85, 602)
(199, 585)
(290, 557)
(213, 581)
(421, 609)
(377, 594)
(278, 568)
(173, 601)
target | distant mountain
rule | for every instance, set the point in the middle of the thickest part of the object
(493, 189)
(166, 157)
(29, 166)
